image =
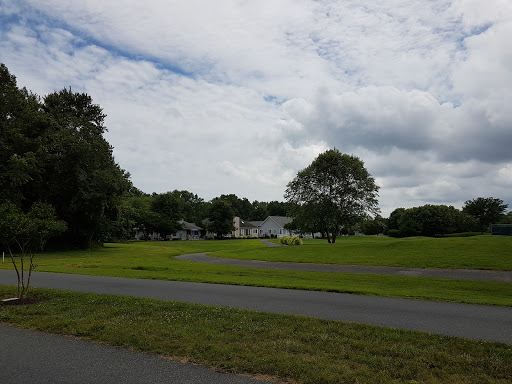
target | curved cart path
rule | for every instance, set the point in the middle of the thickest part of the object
(462, 274)
(479, 322)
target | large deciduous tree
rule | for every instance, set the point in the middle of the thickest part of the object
(90, 198)
(334, 192)
(53, 151)
(221, 218)
(486, 210)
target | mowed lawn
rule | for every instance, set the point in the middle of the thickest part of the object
(291, 349)
(154, 260)
(477, 252)
(286, 348)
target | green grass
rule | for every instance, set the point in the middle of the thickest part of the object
(153, 260)
(289, 348)
(477, 252)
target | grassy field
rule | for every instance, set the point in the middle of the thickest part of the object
(478, 252)
(153, 260)
(287, 348)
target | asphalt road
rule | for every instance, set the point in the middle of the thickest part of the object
(40, 358)
(477, 322)
(461, 274)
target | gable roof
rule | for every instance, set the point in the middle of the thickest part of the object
(190, 226)
(279, 220)
(246, 224)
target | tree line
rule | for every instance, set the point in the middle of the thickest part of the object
(53, 151)
(438, 220)
(54, 159)
(162, 212)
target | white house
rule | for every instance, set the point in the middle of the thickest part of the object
(244, 227)
(190, 231)
(272, 226)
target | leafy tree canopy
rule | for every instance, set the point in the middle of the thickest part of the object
(53, 151)
(429, 220)
(486, 210)
(221, 218)
(334, 192)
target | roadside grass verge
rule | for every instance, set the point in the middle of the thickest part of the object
(153, 260)
(476, 252)
(287, 347)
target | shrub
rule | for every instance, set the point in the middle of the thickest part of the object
(393, 233)
(287, 240)
(297, 241)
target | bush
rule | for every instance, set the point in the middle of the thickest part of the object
(393, 233)
(288, 240)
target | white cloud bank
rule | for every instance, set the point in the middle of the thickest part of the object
(236, 97)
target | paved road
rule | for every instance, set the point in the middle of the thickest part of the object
(463, 320)
(461, 274)
(37, 358)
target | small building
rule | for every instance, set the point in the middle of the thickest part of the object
(274, 226)
(190, 231)
(501, 229)
(139, 234)
(244, 228)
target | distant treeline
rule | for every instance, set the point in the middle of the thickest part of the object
(439, 220)
(53, 151)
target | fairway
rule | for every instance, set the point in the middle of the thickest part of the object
(477, 252)
(154, 260)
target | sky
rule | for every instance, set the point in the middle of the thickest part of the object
(220, 97)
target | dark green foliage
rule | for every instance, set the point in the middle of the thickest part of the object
(255, 211)
(240, 207)
(53, 151)
(485, 210)
(506, 219)
(259, 211)
(428, 220)
(393, 233)
(335, 192)
(373, 226)
(221, 218)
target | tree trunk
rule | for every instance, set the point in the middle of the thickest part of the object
(17, 272)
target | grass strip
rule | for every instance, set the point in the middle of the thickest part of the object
(153, 260)
(290, 348)
(477, 252)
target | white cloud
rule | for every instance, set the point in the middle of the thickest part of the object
(236, 97)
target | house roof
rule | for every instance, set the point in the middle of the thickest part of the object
(256, 223)
(246, 224)
(279, 220)
(190, 226)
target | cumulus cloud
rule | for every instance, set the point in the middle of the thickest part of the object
(236, 97)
